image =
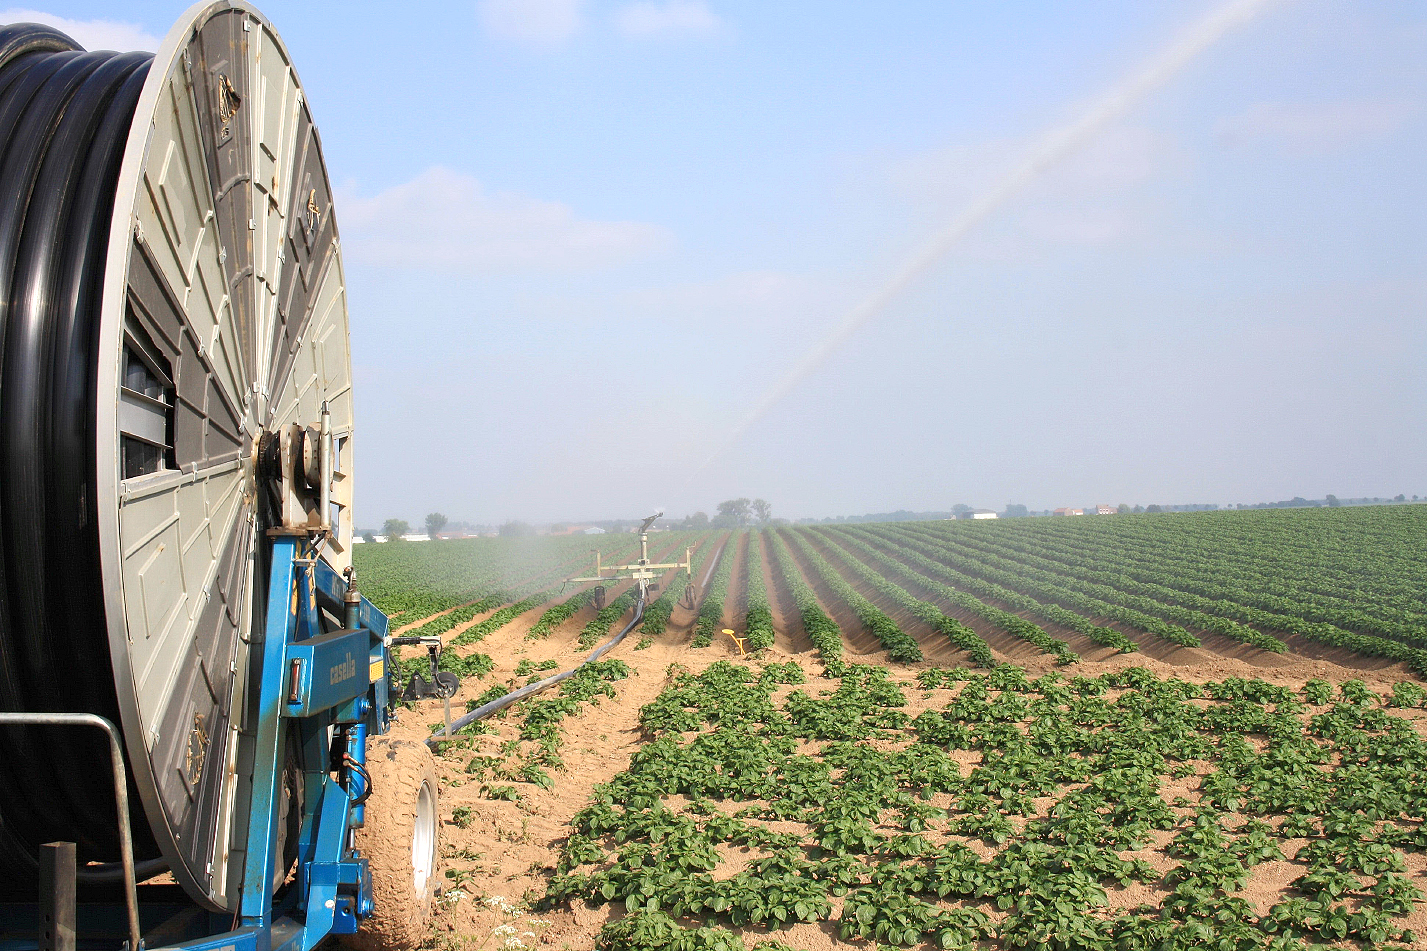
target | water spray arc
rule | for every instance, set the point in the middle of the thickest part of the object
(1050, 149)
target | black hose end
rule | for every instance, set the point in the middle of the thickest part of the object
(17, 39)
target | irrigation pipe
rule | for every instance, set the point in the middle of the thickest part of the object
(515, 696)
(714, 564)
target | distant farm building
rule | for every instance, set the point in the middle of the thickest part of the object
(1104, 510)
(1069, 511)
(977, 513)
(594, 531)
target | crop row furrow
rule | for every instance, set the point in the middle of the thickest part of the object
(711, 610)
(901, 647)
(1005, 620)
(1106, 636)
(758, 627)
(822, 631)
(963, 637)
(987, 551)
(1164, 578)
(1053, 593)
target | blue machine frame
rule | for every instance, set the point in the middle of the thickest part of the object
(318, 680)
(333, 687)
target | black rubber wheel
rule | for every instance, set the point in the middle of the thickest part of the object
(401, 843)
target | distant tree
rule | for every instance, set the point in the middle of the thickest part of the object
(698, 520)
(763, 510)
(394, 528)
(1015, 511)
(1333, 502)
(369, 537)
(1123, 508)
(960, 507)
(1400, 498)
(733, 513)
(1153, 508)
(434, 523)
(517, 530)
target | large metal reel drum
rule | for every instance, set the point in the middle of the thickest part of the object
(221, 316)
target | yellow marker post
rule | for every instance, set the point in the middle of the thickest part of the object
(737, 640)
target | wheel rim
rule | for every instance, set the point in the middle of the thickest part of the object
(423, 839)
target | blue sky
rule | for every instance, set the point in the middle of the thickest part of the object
(584, 238)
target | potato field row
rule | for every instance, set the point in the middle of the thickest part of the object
(1310, 583)
(1130, 732)
(1315, 584)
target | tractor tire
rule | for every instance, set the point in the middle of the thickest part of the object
(400, 841)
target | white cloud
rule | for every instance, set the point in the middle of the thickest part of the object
(1315, 126)
(444, 220)
(648, 18)
(90, 34)
(1120, 157)
(537, 22)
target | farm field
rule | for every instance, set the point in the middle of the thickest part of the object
(1158, 731)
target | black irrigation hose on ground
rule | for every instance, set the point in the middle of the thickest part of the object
(515, 696)
(65, 117)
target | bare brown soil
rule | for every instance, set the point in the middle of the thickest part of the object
(502, 848)
(506, 848)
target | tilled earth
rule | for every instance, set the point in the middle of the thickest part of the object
(498, 854)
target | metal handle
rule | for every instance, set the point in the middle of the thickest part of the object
(121, 798)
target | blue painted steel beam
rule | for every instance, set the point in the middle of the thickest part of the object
(280, 623)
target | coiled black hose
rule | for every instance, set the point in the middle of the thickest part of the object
(64, 122)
